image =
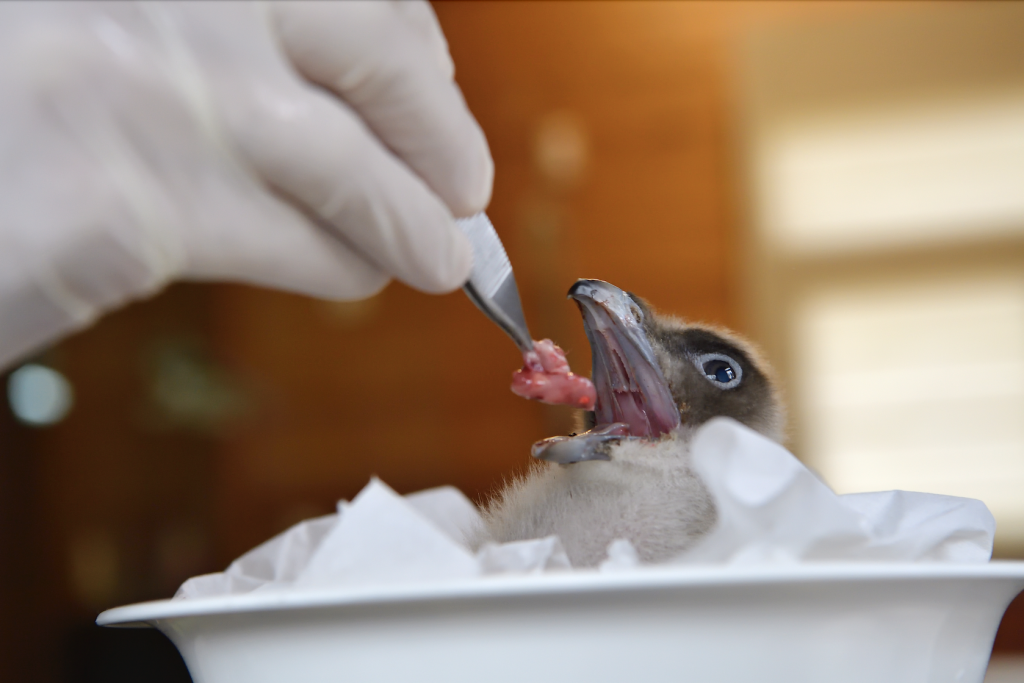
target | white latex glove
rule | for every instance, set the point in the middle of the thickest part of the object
(315, 147)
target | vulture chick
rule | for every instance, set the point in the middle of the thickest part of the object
(657, 379)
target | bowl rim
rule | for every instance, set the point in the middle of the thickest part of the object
(561, 582)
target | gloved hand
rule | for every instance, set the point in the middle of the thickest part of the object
(315, 147)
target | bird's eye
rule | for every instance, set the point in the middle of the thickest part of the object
(720, 370)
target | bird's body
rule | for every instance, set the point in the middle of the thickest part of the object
(646, 493)
(657, 380)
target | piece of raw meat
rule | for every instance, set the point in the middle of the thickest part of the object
(545, 377)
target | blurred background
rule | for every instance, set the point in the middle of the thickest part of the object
(842, 182)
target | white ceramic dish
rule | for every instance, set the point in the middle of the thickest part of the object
(874, 623)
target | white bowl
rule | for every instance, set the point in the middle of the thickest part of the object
(817, 622)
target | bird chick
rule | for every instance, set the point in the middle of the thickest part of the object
(657, 379)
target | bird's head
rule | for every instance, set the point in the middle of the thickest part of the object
(656, 373)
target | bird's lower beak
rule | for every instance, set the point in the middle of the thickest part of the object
(631, 388)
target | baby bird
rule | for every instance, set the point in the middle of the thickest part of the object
(629, 476)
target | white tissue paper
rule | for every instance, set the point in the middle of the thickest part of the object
(771, 509)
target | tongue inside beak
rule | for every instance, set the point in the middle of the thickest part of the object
(631, 388)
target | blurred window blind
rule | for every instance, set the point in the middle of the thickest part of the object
(886, 170)
(895, 176)
(919, 386)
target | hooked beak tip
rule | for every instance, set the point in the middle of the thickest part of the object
(589, 290)
(574, 290)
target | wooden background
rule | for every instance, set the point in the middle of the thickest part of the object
(213, 416)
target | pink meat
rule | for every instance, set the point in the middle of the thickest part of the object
(545, 376)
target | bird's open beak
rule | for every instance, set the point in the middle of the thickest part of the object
(631, 388)
(633, 398)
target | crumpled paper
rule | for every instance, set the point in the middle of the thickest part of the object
(771, 509)
(380, 537)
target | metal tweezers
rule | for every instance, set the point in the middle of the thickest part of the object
(492, 285)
